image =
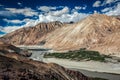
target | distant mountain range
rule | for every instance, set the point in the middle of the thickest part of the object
(96, 32)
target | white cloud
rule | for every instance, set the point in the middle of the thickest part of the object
(6, 14)
(24, 11)
(50, 18)
(106, 9)
(97, 4)
(9, 29)
(105, 2)
(95, 12)
(20, 4)
(109, 2)
(65, 10)
(13, 21)
(84, 7)
(114, 11)
(46, 8)
(79, 7)
(63, 15)
(75, 16)
(29, 22)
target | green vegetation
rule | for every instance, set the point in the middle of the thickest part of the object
(78, 55)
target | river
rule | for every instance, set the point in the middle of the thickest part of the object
(39, 53)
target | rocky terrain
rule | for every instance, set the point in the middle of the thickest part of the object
(96, 32)
(6, 48)
(14, 66)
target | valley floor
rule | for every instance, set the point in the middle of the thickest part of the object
(87, 65)
(95, 69)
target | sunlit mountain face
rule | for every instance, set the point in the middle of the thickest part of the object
(15, 14)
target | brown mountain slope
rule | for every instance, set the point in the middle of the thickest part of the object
(11, 69)
(31, 35)
(96, 32)
(14, 66)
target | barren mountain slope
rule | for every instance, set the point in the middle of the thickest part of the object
(12, 69)
(14, 66)
(31, 35)
(96, 32)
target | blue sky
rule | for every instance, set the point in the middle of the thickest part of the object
(15, 14)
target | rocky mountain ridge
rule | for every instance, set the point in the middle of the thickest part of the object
(31, 35)
(97, 32)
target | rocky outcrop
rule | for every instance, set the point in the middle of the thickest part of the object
(8, 48)
(31, 35)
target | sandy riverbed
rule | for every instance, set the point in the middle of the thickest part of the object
(87, 65)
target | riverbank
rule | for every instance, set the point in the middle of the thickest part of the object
(94, 69)
(95, 66)
(97, 75)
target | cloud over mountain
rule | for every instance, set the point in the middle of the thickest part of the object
(64, 14)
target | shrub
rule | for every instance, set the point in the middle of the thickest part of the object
(79, 55)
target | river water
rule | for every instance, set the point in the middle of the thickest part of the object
(38, 55)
